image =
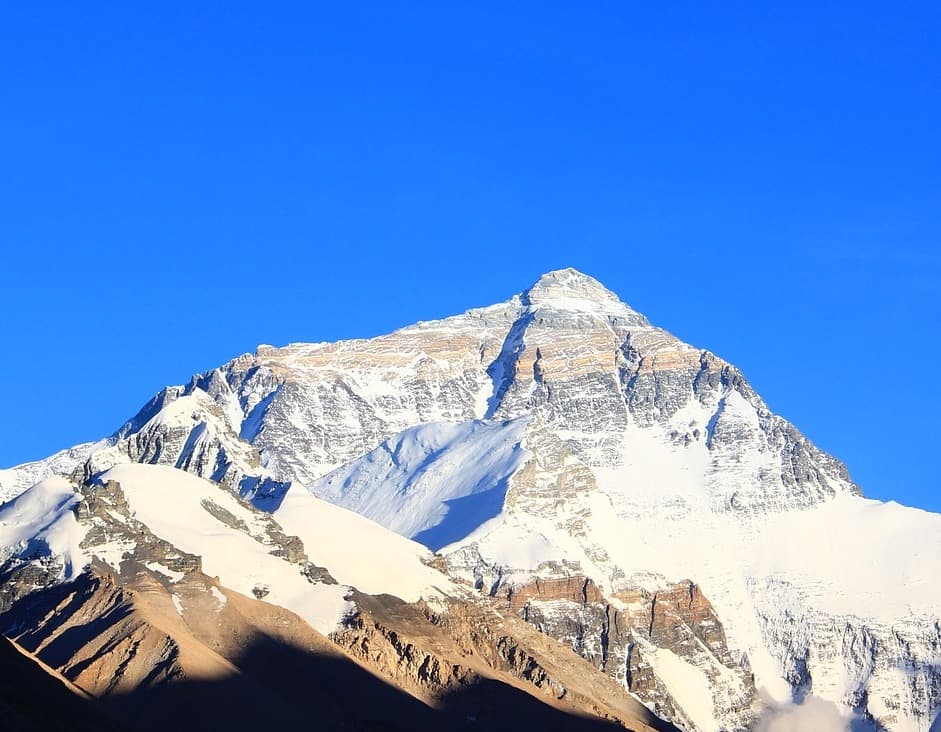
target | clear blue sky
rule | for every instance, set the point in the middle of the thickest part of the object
(181, 184)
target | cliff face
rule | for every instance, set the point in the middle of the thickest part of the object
(624, 492)
(622, 634)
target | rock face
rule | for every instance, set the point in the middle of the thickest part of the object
(453, 657)
(618, 634)
(623, 492)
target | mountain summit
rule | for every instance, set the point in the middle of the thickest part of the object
(555, 459)
(569, 289)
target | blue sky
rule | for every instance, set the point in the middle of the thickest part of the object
(182, 183)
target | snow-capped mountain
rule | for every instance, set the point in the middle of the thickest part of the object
(618, 489)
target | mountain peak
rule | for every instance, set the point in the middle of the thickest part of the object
(569, 277)
(571, 290)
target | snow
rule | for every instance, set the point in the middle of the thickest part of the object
(689, 686)
(178, 413)
(356, 551)
(435, 482)
(655, 475)
(41, 520)
(113, 551)
(359, 552)
(169, 502)
(171, 574)
(513, 545)
(217, 593)
(13, 481)
(830, 551)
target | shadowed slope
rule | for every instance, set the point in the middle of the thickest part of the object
(33, 698)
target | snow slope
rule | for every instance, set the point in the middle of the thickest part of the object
(40, 522)
(433, 482)
(171, 503)
(359, 552)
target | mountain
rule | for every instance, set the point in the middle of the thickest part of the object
(554, 465)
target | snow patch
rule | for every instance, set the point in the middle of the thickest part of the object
(172, 575)
(216, 593)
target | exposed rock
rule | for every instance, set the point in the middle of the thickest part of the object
(620, 634)
(545, 589)
(435, 652)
